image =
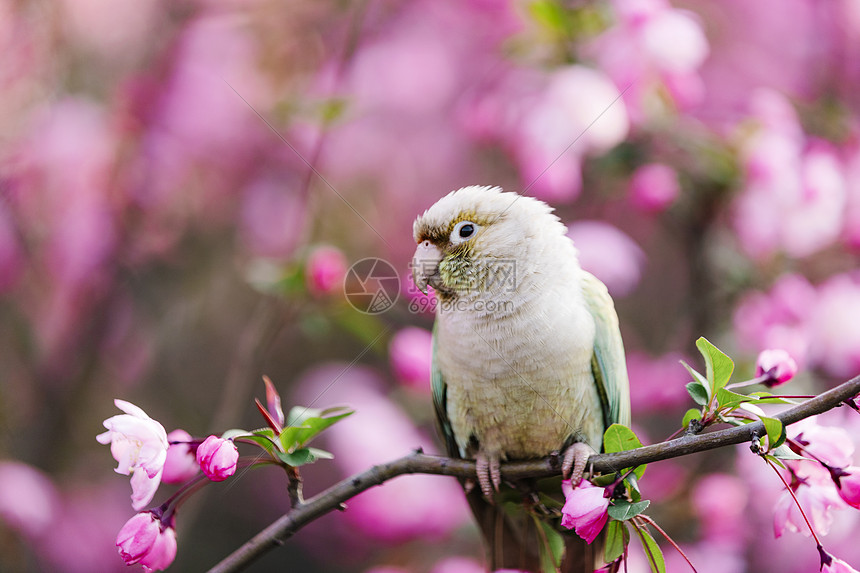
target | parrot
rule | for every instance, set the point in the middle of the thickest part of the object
(527, 357)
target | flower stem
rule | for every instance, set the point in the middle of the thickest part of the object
(671, 541)
(796, 501)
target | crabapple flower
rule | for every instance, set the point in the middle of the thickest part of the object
(181, 463)
(849, 486)
(777, 365)
(146, 540)
(586, 509)
(816, 500)
(139, 445)
(325, 270)
(837, 566)
(830, 564)
(217, 458)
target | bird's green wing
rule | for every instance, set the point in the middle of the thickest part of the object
(440, 397)
(608, 363)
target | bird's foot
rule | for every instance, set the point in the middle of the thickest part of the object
(489, 473)
(574, 462)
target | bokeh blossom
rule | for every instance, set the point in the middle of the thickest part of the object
(410, 355)
(181, 462)
(325, 270)
(150, 156)
(609, 254)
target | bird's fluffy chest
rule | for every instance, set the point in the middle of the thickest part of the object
(520, 383)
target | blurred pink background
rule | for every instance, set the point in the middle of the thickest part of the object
(164, 240)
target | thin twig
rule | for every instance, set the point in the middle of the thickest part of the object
(419, 463)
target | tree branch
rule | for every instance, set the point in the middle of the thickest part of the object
(418, 462)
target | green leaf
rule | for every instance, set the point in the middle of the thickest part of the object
(698, 392)
(768, 398)
(775, 460)
(652, 551)
(306, 423)
(617, 538)
(690, 415)
(783, 452)
(618, 438)
(697, 377)
(297, 458)
(552, 549)
(718, 366)
(234, 433)
(624, 510)
(731, 400)
(321, 454)
(775, 431)
(632, 483)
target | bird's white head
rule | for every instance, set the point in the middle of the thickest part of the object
(469, 238)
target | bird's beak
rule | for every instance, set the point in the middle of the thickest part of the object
(425, 265)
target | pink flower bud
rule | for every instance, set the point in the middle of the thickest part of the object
(849, 486)
(585, 509)
(325, 270)
(146, 540)
(217, 458)
(654, 187)
(777, 365)
(181, 463)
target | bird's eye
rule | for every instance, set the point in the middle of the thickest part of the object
(463, 231)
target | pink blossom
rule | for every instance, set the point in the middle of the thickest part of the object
(720, 502)
(609, 254)
(657, 383)
(181, 463)
(835, 338)
(576, 113)
(849, 486)
(831, 444)
(272, 217)
(777, 365)
(217, 458)
(653, 50)
(410, 353)
(654, 187)
(585, 509)
(816, 497)
(458, 565)
(139, 445)
(851, 230)
(380, 430)
(831, 564)
(325, 270)
(146, 540)
(779, 318)
(794, 194)
(28, 499)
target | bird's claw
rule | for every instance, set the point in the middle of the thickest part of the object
(574, 462)
(489, 474)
